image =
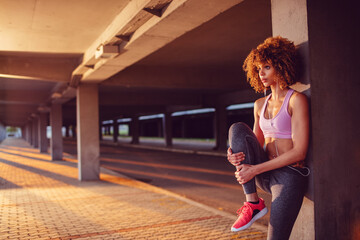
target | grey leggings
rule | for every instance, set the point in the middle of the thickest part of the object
(286, 186)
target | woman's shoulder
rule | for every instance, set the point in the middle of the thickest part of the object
(298, 100)
(259, 102)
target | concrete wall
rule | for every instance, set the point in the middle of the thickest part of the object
(335, 86)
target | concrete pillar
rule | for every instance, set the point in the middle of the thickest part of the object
(74, 130)
(56, 141)
(334, 46)
(101, 131)
(289, 19)
(67, 131)
(116, 130)
(220, 128)
(88, 145)
(43, 142)
(135, 129)
(35, 136)
(183, 127)
(160, 127)
(2, 132)
(29, 132)
(23, 132)
(167, 129)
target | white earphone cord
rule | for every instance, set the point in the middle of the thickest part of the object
(277, 151)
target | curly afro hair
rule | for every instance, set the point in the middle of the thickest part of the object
(277, 51)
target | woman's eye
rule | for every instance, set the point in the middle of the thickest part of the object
(267, 67)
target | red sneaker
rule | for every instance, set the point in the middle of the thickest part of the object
(248, 214)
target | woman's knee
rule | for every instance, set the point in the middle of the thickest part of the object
(239, 129)
(237, 136)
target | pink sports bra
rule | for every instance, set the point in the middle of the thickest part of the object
(280, 125)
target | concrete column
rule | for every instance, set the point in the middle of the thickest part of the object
(43, 142)
(2, 132)
(74, 130)
(56, 141)
(35, 136)
(220, 128)
(116, 130)
(101, 132)
(160, 127)
(88, 145)
(67, 131)
(167, 129)
(289, 19)
(335, 114)
(23, 132)
(29, 132)
(135, 129)
(183, 127)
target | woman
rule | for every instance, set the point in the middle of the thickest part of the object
(282, 126)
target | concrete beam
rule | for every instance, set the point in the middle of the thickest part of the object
(182, 78)
(155, 33)
(16, 114)
(46, 67)
(154, 98)
(236, 97)
(119, 22)
(26, 97)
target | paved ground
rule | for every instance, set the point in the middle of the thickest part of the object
(41, 199)
(189, 168)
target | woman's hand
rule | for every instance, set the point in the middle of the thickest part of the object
(235, 158)
(245, 173)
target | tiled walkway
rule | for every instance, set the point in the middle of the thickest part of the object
(42, 199)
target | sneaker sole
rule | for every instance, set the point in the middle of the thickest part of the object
(257, 216)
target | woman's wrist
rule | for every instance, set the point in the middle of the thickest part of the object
(258, 169)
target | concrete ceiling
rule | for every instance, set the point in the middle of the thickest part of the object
(148, 56)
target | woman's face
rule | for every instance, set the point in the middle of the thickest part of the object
(267, 74)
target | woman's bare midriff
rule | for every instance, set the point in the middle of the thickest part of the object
(283, 145)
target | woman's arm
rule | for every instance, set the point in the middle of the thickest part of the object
(300, 136)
